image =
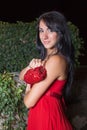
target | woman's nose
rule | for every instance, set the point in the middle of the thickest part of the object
(45, 35)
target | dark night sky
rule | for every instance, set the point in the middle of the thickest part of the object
(26, 11)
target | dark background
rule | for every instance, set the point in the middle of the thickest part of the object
(27, 11)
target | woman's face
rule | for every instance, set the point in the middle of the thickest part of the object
(47, 37)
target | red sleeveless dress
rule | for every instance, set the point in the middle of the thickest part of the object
(49, 112)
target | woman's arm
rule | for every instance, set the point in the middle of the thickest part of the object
(56, 68)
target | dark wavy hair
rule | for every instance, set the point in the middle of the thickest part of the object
(57, 22)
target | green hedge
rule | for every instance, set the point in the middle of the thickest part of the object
(17, 44)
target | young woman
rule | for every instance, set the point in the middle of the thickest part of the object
(46, 99)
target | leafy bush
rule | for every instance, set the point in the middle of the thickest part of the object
(77, 41)
(12, 109)
(17, 45)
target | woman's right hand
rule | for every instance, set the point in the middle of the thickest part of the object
(35, 63)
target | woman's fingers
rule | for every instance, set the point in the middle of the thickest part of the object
(35, 63)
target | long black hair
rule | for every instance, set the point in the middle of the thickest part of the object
(57, 22)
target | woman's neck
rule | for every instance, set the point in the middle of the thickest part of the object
(51, 52)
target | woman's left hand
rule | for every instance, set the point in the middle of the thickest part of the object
(28, 87)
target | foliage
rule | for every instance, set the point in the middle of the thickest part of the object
(17, 44)
(77, 41)
(12, 109)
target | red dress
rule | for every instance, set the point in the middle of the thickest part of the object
(49, 111)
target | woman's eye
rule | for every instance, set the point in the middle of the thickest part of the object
(50, 30)
(40, 30)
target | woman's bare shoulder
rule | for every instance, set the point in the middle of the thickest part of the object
(57, 65)
(57, 60)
